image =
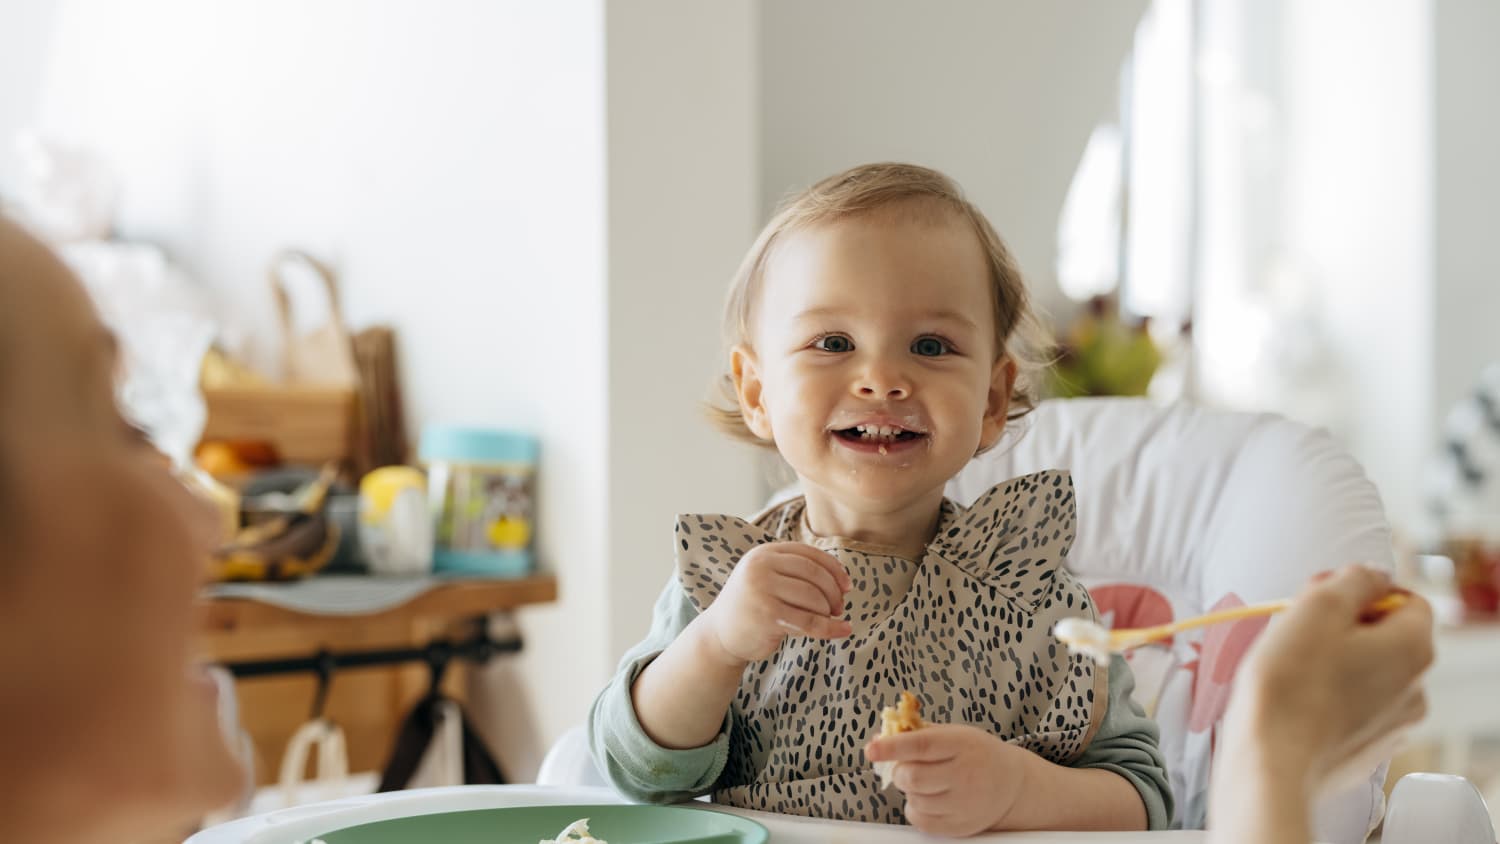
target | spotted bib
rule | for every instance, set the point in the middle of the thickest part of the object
(966, 629)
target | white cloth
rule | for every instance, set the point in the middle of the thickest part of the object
(443, 762)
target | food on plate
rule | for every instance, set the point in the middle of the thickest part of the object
(576, 832)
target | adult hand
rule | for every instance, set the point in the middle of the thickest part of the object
(1327, 683)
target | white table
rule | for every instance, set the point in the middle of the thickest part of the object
(292, 826)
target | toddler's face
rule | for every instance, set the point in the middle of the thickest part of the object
(874, 365)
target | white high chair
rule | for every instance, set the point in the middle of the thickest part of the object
(1182, 510)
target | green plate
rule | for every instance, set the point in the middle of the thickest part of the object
(530, 824)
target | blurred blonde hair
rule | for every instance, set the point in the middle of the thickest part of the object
(863, 191)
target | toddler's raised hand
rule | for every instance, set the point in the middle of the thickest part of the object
(779, 589)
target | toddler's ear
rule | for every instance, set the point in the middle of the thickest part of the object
(997, 404)
(747, 385)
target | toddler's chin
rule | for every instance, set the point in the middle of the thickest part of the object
(886, 488)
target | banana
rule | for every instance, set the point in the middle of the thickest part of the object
(303, 545)
(285, 547)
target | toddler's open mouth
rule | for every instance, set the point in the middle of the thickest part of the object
(878, 439)
(877, 434)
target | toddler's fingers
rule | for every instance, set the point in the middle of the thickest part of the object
(814, 625)
(799, 566)
(931, 822)
(823, 559)
(922, 779)
(801, 594)
(930, 744)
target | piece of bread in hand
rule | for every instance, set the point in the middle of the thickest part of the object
(904, 717)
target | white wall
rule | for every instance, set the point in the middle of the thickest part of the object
(1358, 208)
(450, 160)
(553, 252)
(1468, 193)
(682, 82)
(1001, 96)
(25, 36)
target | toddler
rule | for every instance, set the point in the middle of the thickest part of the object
(874, 335)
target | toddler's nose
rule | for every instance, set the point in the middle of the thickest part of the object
(882, 377)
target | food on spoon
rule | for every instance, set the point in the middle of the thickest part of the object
(1084, 637)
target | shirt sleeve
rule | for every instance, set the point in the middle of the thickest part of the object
(1128, 744)
(639, 768)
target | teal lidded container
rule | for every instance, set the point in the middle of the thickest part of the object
(481, 487)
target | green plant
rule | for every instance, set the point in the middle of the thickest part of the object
(1101, 355)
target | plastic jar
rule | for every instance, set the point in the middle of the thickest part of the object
(1472, 541)
(481, 490)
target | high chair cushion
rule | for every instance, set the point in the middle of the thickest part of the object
(1183, 510)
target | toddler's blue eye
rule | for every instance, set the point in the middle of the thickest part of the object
(834, 343)
(929, 347)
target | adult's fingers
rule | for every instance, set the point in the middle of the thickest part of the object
(1383, 728)
(1391, 653)
(1341, 596)
(1405, 636)
(1378, 741)
(1405, 713)
(1356, 767)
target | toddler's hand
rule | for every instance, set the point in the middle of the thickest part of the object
(958, 780)
(779, 589)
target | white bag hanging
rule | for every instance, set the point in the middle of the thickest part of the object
(332, 764)
(331, 780)
(318, 349)
(443, 762)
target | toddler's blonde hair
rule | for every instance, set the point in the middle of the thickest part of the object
(862, 191)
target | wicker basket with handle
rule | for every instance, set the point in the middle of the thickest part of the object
(311, 417)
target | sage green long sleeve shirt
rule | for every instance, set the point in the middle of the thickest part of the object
(1126, 742)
